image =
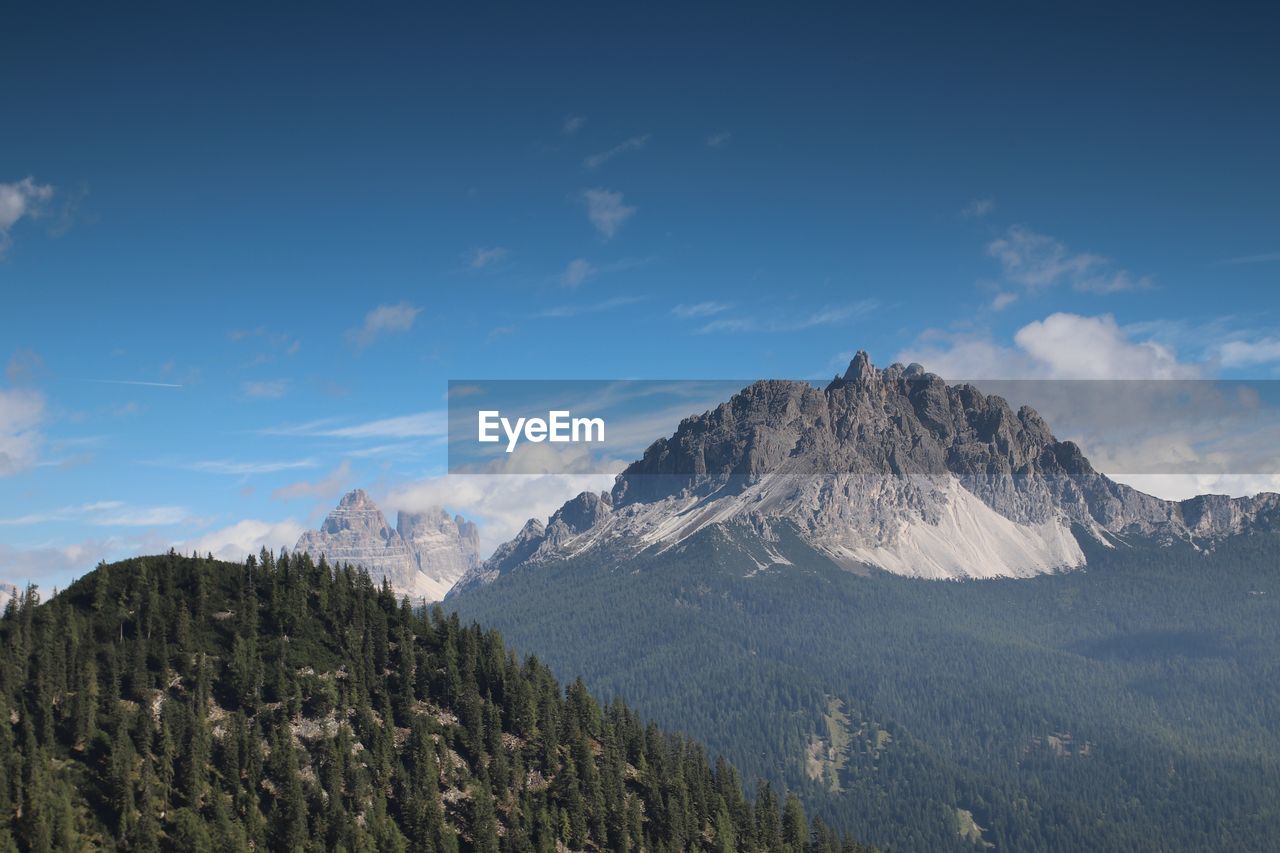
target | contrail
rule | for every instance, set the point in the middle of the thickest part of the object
(132, 382)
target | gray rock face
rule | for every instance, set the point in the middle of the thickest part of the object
(912, 425)
(422, 557)
(443, 547)
(890, 467)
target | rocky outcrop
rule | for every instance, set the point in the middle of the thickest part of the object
(422, 557)
(443, 547)
(893, 468)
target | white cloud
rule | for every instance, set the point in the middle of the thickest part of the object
(1037, 261)
(699, 309)
(572, 124)
(606, 211)
(482, 258)
(22, 411)
(23, 199)
(500, 504)
(383, 320)
(1249, 353)
(1097, 348)
(1176, 487)
(1061, 346)
(1174, 439)
(719, 140)
(578, 271)
(635, 143)
(267, 389)
(243, 538)
(58, 565)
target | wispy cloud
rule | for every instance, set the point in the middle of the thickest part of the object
(578, 271)
(1036, 262)
(419, 425)
(479, 259)
(23, 199)
(244, 469)
(606, 210)
(276, 339)
(104, 514)
(383, 320)
(23, 366)
(268, 389)
(590, 307)
(22, 411)
(572, 124)
(1003, 300)
(330, 486)
(833, 315)
(273, 343)
(719, 140)
(978, 208)
(1243, 353)
(635, 143)
(1264, 258)
(699, 309)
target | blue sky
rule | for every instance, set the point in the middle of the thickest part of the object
(299, 224)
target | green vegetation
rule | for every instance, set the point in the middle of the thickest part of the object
(170, 703)
(1128, 706)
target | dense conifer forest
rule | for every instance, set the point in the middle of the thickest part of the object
(1128, 706)
(182, 703)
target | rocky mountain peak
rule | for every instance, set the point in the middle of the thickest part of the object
(889, 467)
(356, 499)
(860, 369)
(357, 512)
(422, 556)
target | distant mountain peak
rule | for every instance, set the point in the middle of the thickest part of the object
(356, 499)
(422, 556)
(891, 468)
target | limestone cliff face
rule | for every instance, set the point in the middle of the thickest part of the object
(893, 468)
(422, 556)
(444, 547)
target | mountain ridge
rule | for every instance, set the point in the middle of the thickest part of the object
(891, 468)
(186, 703)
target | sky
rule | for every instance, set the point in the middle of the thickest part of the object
(243, 250)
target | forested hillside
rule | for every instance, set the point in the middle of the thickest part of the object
(1130, 705)
(180, 703)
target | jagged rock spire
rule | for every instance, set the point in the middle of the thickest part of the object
(422, 556)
